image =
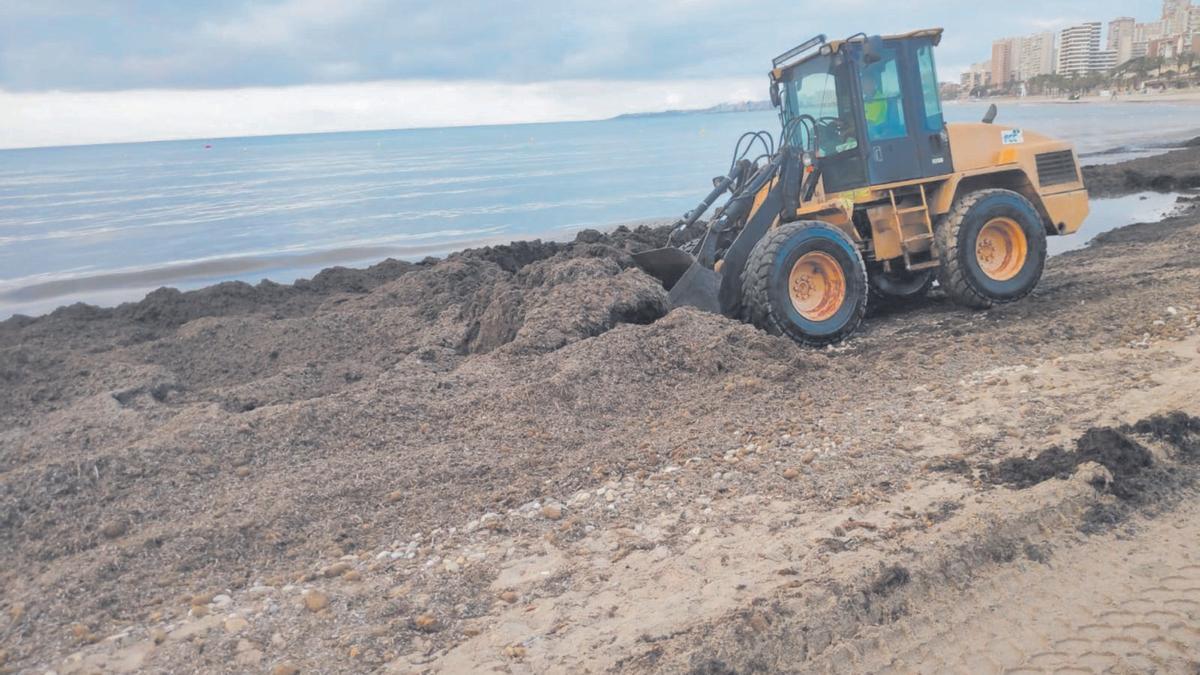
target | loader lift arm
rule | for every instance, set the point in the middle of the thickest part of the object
(709, 278)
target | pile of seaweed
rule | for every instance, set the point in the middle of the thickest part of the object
(1135, 477)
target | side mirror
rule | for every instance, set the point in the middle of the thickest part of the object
(872, 49)
(990, 115)
(774, 91)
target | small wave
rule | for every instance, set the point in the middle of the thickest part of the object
(1149, 147)
(221, 268)
(1118, 150)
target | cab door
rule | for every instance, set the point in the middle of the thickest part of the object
(928, 124)
(887, 117)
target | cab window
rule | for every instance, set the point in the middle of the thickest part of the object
(883, 105)
(818, 89)
(934, 122)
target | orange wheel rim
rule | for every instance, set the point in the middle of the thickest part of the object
(1001, 249)
(817, 286)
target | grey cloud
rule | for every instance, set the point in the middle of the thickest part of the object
(124, 44)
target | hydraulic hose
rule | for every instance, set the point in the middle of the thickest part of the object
(719, 188)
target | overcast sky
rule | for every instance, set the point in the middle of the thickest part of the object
(83, 71)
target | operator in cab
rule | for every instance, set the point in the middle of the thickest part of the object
(880, 110)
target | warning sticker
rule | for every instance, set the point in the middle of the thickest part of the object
(1012, 137)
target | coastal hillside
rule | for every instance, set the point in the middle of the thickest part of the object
(738, 106)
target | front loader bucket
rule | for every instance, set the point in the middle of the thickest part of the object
(688, 282)
(665, 264)
(698, 287)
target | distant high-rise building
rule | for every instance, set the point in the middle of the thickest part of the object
(977, 76)
(1005, 56)
(1143, 35)
(1176, 17)
(1078, 47)
(1164, 48)
(1120, 38)
(1119, 28)
(1174, 46)
(1124, 49)
(1077, 50)
(1151, 30)
(1036, 56)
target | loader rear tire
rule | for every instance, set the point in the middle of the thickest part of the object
(806, 280)
(992, 246)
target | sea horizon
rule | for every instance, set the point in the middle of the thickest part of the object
(710, 110)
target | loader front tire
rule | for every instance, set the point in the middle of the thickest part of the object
(806, 280)
(992, 246)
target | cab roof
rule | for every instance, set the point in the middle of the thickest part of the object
(818, 46)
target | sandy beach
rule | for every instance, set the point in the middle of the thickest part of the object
(516, 460)
(1171, 96)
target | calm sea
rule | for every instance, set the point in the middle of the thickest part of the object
(105, 224)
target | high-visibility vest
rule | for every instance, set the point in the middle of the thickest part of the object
(876, 110)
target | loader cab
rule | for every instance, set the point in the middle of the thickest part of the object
(874, 109)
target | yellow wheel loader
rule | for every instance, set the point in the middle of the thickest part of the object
(869, 193)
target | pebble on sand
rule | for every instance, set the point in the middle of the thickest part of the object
(198, 611)
(285, 668)
(315, 601)
(83, 634)
(201, 599)
(337, 569)
(552, 511)
(515, 651)
(790, 473)
(114, 529)
(236, 624)
(248, 657)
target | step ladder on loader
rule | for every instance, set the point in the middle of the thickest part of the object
(913, 226)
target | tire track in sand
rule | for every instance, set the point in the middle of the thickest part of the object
(1116, 603)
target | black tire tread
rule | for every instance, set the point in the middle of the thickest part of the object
(753, 307)
(756, 281)
(952, 276)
